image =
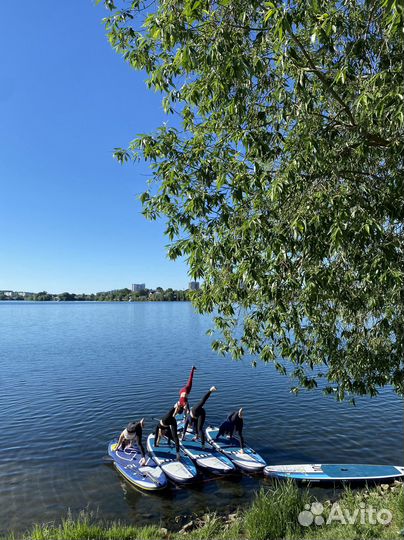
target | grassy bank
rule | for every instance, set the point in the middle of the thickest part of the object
(273, 515)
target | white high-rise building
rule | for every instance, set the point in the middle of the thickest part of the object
(193, 286)
(137, 287)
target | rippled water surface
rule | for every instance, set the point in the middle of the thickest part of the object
(73, 374)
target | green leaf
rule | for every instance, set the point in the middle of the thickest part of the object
(283, 187)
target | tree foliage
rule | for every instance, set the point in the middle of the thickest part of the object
(281, 174)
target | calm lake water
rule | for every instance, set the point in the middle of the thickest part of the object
(73, 374)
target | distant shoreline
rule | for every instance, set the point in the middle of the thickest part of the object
(118, 295)
(21, 300)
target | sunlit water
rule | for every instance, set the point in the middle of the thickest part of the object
(73, 374)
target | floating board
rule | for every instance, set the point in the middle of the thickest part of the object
(230, 446)
(208, 458)
(127, 462)
(334, 472)
(181, 472)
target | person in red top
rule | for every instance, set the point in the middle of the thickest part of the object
(184, 392)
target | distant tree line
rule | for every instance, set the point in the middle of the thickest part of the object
(119, 295)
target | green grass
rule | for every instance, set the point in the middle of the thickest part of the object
(87, 527)
(272, 515)
(350, 501)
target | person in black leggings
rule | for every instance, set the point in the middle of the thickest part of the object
(234, 422)
(196, 418)
(168, 426)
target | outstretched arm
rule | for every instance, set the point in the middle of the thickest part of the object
(120, 441)
(186, 424)
(241, 441)
(140, 444)
(240, 433)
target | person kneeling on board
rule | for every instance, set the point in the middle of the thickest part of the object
(196, 418)
(133, 432)
(168, 427)
(234, 422)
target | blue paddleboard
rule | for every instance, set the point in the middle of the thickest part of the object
(335, 472)
(180, 472)
(248, 460)
(207, 458)
(127, 462)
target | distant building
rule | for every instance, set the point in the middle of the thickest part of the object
(137, 287)
(193, 286)
(10, 294)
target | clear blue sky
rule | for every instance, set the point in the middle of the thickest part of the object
(69, 216)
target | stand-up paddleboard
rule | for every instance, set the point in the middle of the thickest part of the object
(207, 458)
(180, 472)
(127, 462)
(335, 472)
(248, 461)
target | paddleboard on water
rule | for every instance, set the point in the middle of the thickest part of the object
(248, 461)
(181, 472)
(127, 462)
(335, 472)
(207, 458)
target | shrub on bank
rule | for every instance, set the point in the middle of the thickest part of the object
(274, 513)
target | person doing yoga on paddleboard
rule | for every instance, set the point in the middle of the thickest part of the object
(168, 426)
(133, 432)
(184, 392)
(234, 422)
(196, 418)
